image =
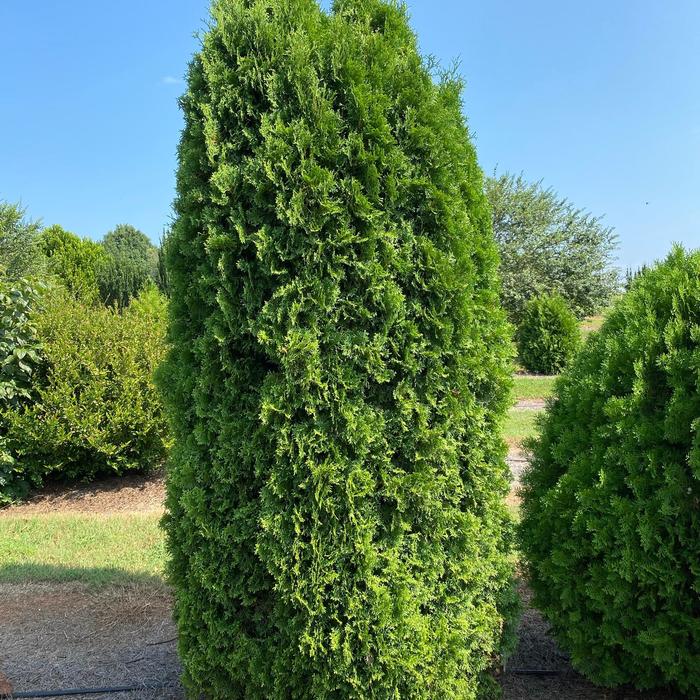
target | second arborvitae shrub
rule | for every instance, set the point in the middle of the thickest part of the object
(548, 335)
(611, 505)
(339, 371)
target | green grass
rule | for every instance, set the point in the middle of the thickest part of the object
(533, 387)
(520, 424)
(93, 549)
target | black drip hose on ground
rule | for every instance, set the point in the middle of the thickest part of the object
(164, 686)
(92, 691)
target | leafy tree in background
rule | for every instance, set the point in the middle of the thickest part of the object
(20, 255)
(340, 367)
(131, 264)
(547, 245)
(75, 261)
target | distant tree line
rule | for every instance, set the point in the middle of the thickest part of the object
(114, 270)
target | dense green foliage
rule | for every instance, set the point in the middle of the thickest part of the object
(548, 335)
(20, 362)
(19, 244)
(131, 265)
(96, 410)
(339, 371)
(611, 516)
(75, 261)
(547, 245)
(162, 266)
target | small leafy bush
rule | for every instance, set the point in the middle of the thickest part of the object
(611, 504)
(548, 335)
(20, 362)
(96, 410)
(75, 261)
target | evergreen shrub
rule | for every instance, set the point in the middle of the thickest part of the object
(131, 265)
(548, 334)
(611, 504)
(339, 367)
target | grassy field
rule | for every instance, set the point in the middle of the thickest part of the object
(520, 425)
(592, 323)
(118, 548)
(94, 549)
(532, 386)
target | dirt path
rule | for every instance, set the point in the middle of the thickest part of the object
(530, 405)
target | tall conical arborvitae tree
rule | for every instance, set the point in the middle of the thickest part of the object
(339, 367)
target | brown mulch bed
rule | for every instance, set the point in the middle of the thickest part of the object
(538, 651)
(117, 494)
(58, 636)
(55, 636)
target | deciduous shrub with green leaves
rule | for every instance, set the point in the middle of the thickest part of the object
(20, 363)
(96, 410)
(548, 334)
(75, 261)
(611, 504)
(339, 371)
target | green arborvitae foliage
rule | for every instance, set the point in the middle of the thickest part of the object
(76, 262)
(131, 265)
(548, 335)
(611, 515)
(339, 368)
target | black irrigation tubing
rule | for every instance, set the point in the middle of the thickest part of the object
(92, 691)
(533, 671)
(164, 686)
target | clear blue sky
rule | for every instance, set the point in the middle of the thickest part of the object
(599, 99)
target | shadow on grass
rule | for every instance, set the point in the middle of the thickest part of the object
(91, 576)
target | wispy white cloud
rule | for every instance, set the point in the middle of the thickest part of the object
(171, 80)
